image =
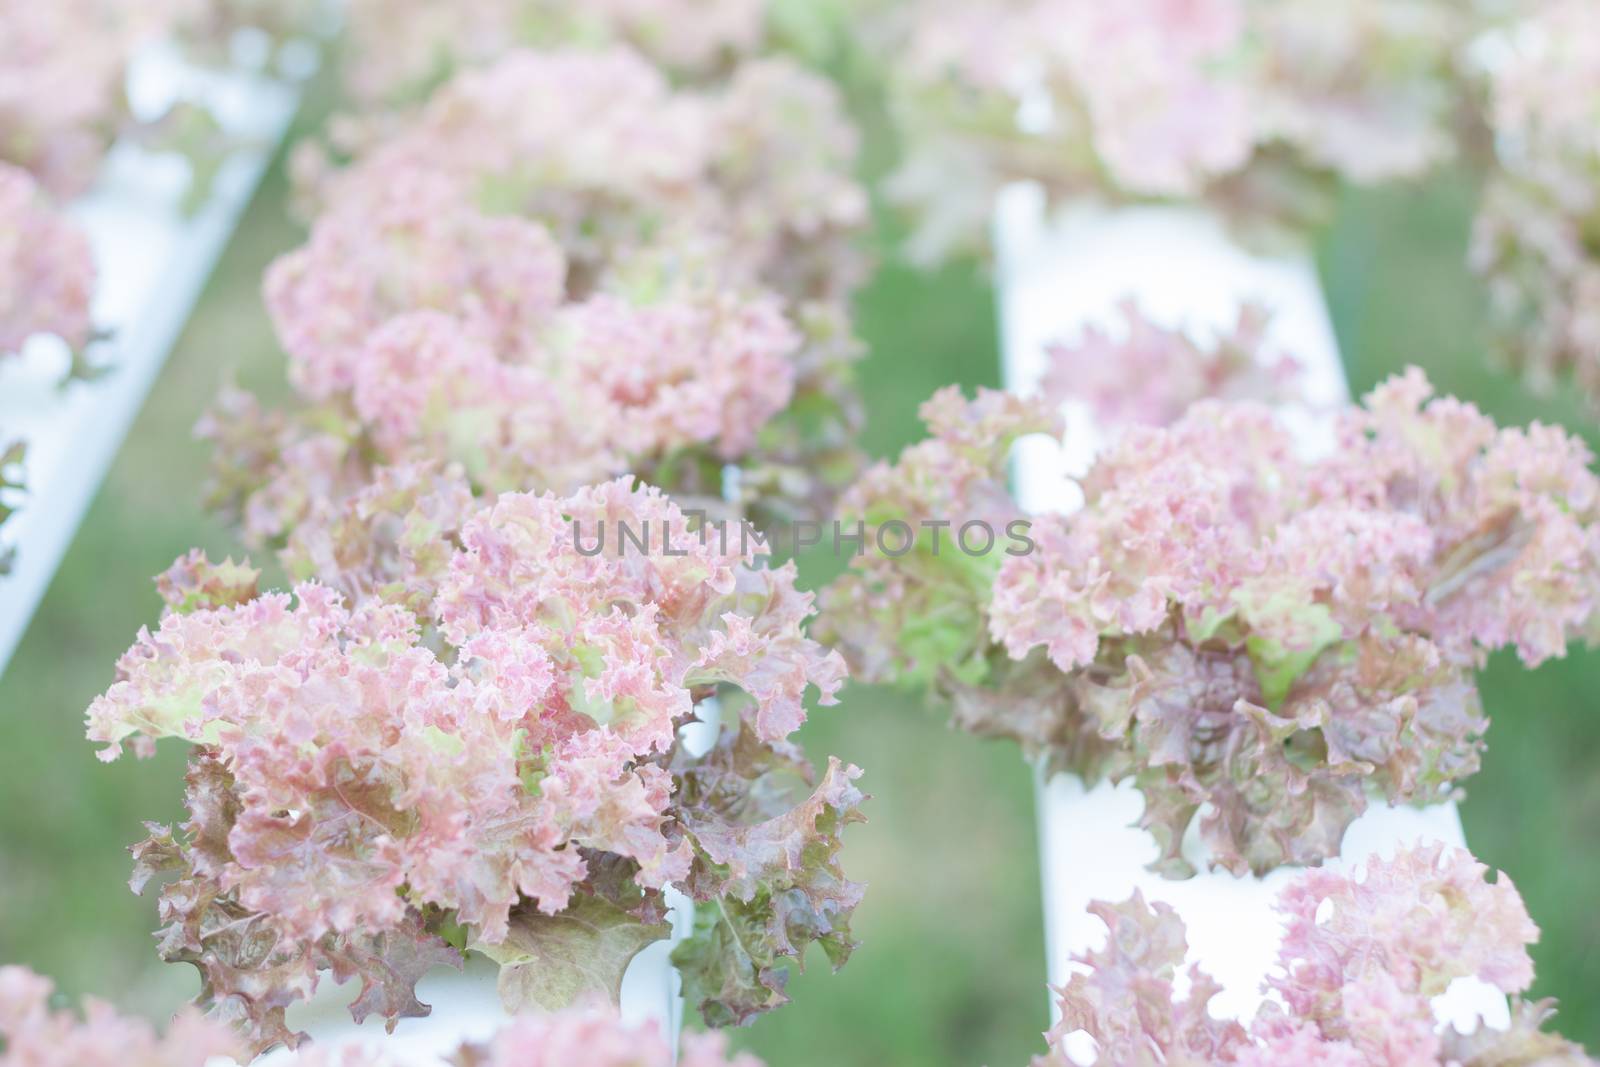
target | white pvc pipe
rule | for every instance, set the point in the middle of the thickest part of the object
(1057, 275)
(153, 260)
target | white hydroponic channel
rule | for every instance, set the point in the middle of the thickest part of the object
(1058, 274)
(153, 258)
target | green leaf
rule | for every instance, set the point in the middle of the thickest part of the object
(1278, 668)
(728, 964)
(766, 875)
(549, 962)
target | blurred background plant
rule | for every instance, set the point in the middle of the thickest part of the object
(951, 970)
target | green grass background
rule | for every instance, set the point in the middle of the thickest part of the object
(951, 968)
